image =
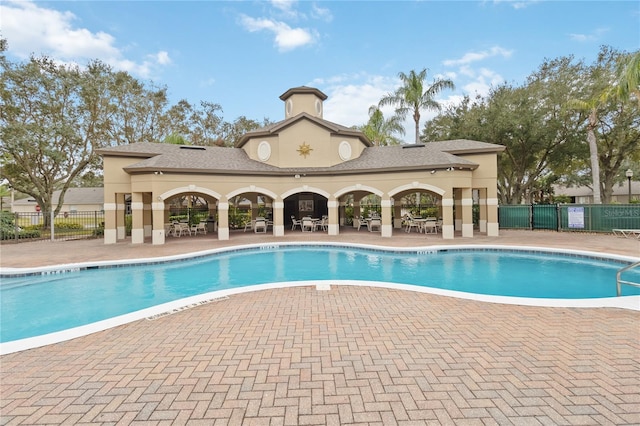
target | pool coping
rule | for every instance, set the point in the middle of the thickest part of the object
(624, 302)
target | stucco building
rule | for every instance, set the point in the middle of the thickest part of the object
(303, 164)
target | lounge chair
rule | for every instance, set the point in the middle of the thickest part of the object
(627, 233)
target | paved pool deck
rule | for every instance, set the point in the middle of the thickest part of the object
(348, 356)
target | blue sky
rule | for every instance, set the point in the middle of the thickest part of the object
(244, 54)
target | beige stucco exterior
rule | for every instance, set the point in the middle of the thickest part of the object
(303, 157)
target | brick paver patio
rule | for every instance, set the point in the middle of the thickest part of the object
(350, 355)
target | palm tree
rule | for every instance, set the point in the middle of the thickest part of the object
(591, 108)
(412, 96)
(628, 81)
(379, 130)
(629, 78)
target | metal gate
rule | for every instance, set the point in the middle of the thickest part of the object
(544, 216)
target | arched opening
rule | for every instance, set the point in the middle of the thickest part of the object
(305, 203)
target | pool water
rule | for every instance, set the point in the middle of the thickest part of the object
(37, 305)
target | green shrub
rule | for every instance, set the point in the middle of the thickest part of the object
(34, 233)
(99, 231)
(64, 224)
(7, 228)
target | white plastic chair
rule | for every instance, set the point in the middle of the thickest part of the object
(374, 225)
(295, 222)
(308, 225)
(260, 225)
(200, 227)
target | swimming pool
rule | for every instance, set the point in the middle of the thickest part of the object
(55, 300)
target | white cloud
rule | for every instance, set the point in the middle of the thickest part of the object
(56, 34)
(162, 58)
(285, 6)
(321, 13)
(470, 57)
(286, 38)
(517, 4)
(595, 35)
(350, 96)
(208, 82)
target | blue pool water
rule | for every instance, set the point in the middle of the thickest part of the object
(37, 305)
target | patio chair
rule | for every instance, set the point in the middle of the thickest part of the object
(295, 222)
(430, 226)
(308, 225)
(324, 223)
(180, 228)
(260, 225)
(411, 223)
(359, 222)
(249, 225)
(374, 224)
(200, 227)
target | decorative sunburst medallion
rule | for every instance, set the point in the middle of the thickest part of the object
(304, 149)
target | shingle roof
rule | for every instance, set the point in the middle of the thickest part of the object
(73, 196)
(218, 160)
(303, 89)
(275, 128)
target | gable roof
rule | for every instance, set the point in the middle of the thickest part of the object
(275, 128)
(218, 160)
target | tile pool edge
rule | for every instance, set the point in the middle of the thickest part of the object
(72, 267)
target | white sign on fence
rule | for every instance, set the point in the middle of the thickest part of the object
(576, 217)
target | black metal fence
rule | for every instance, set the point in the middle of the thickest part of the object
(570, 217)
(66, 226)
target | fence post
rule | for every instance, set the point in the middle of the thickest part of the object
(15, 225)
(53, 232)
(531, 218)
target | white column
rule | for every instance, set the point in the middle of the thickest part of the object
(278, 218)
(467, 216)
(223, 220)
(120, 217)
(492, 217)
(334, 227)
(110, 233)
(387, 226)
(448, 231)
(158, 232)
(137, 219)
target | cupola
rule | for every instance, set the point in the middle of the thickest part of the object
(303, 99)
